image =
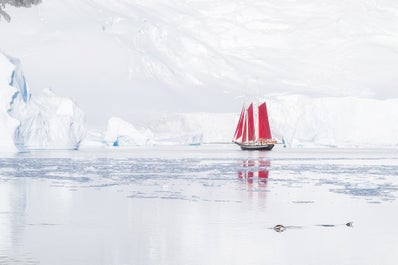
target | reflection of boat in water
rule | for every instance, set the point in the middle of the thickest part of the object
(245, 134)
(252, 169)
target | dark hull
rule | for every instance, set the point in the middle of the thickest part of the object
(253, 147)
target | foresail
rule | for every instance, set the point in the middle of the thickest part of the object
(239, 128)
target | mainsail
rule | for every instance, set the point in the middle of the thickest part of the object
(264, 131)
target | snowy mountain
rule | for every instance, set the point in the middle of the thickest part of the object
(204, 56)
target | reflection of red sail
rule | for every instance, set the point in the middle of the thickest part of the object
(251, 170)
(250, 165)
(262, 174)
(263, 169)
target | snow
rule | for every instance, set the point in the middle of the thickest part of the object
(203, 56)
(326, 68)
(43, 122)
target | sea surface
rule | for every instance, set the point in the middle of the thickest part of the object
(210, 204)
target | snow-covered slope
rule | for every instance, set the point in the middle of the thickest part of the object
(43, 122)
(190, 55)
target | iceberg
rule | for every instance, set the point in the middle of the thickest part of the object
(174, 130)
(192, 128)
(43, 122)
(334, 122)
(122, 133)
(7, 95)
(168, 129)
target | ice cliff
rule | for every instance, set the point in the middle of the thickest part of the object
(300, 121)
(8, 124)
(122, 133)
(334, 122)
(43, 122)
(169, 129)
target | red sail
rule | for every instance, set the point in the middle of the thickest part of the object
(251, 135)
(239, 128)
(264, 131)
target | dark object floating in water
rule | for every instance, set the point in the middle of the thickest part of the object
(279, 228)
(326, 225)
(282, 228)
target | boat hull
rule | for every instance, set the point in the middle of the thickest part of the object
(253, 147)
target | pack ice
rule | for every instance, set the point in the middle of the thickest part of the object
(28, 122)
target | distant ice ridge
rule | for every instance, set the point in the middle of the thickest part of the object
(334, 122)
(299, 120)
(122, 133)
(44, 122)
(168, 131)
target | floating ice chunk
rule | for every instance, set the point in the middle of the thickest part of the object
(8, 93)
(121, 133)
(49, 122)
(44, 122)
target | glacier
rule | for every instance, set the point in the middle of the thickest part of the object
(298, 121)
(44, 122)
(334, 122)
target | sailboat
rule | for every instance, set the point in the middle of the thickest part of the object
(247, 136)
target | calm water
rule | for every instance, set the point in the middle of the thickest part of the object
(211, 204)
